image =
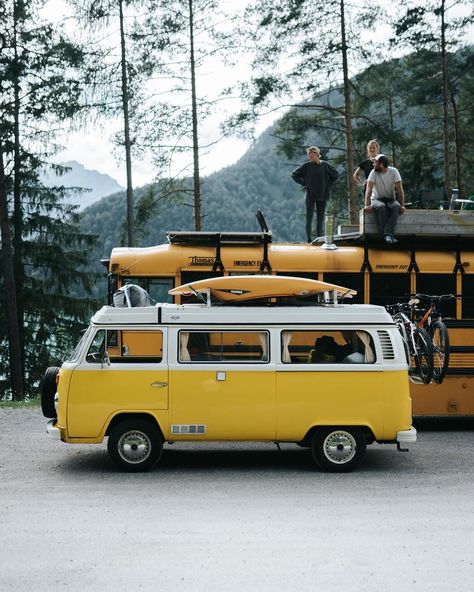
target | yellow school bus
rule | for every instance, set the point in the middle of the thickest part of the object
(331, 377)
(381, 275)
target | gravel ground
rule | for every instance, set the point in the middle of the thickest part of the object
(235, 516)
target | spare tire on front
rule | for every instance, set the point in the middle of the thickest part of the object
(48, 390)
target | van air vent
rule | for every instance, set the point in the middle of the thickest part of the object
(188, 429)
(387, 346)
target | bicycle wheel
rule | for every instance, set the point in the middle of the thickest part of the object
(440, 338)
(423, 355)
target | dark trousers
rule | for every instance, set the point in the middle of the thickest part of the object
(320, 206)
(386, 212)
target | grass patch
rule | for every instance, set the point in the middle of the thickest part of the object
(33, 402)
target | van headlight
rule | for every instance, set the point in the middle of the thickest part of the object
(56, 401)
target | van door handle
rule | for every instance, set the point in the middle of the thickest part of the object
(159, 384)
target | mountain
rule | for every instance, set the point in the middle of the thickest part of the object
(97, 185)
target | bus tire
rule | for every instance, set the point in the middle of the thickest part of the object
(338, 450)
(48, 391)
(135, 445)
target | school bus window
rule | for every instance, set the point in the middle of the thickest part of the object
(157, 287)
(327, 347)
(349, 279)
(439, 283)
(467, 296)
(225, 346)
(388, 288)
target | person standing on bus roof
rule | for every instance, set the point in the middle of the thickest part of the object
(316, 176)
(367, 165)
(384, 185)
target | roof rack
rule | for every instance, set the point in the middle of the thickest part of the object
(215, 238)
(218, 239)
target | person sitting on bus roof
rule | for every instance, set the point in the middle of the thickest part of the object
(384, 185)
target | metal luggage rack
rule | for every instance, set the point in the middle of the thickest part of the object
(217, 238)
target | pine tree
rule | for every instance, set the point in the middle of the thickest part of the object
(431, 28)
(302, 47)
(39, 88)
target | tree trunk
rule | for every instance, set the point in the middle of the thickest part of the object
(444, 70)
(196, 179)
(126, 126)
(457, 146)
(18, 268)
(392, 129)
(14, 347)
(351, 190)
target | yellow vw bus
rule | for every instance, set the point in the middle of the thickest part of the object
(332, 377)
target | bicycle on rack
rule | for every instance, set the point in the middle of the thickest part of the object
(417, 342)
(432, 321)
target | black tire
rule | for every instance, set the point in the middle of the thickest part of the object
(48, 391)
(423, 355)
(440, 338)
(338, 450)
(135, 445)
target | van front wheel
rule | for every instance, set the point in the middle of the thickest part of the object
(135, 445)
(338, 449)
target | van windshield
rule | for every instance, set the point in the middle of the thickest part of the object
(75, 354)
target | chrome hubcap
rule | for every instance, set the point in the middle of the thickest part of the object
(134, 446)
(340, 447)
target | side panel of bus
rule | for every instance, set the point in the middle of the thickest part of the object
(232, 397)
(336, 393)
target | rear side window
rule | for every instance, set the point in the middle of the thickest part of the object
(327, 347)
(223, 346)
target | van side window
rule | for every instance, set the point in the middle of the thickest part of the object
(127, 347)
(327, 347)
(223, 346)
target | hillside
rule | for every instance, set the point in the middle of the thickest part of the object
(96, 185)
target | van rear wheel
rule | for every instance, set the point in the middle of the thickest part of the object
(338, 449)
(135, 445)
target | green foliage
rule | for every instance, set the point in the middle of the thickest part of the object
(38, 88)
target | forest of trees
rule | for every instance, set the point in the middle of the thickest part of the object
(144, 62)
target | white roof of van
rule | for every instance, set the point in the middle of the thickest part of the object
(191, 314)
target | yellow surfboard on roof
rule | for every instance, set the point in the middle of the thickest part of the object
(238, 288)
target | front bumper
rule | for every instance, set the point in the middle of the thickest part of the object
(52, 430)
(407, 436)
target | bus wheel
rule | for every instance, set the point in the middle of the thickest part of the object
(135, 445)
(338, 449)
(48, 391)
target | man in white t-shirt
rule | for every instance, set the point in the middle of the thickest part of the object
(384, 186)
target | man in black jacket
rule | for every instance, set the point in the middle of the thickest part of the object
(316, 176)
